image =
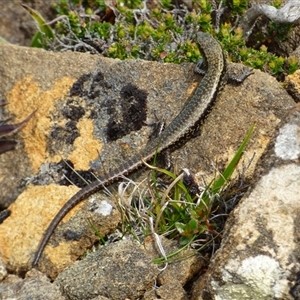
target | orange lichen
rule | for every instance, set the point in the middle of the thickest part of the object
(37, 130)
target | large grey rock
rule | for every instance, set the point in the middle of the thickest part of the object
(35, 285)
(259, 257)
(118, 271)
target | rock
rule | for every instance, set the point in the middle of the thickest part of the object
(3, 271)
(16, 165)
(259, 256)
(165, 291)
(292, 84)
(174, 276)
(36, 285)
(118, 271)
(79, 233)
(185, 264)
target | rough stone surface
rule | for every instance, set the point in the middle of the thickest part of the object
(3, 271)
(292, 83)
(185, 265)
(259, 256)
(36, 286)
(174, 276)
(171, 289)
(118, 271)
(83, 234)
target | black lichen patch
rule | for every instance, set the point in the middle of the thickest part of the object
(133, 112)
(78, 88)
(80, 101)
(61, 173)
(73, 112)
(117, 109)
(97, 85)
(67, 134)
(134, 106)
(62, 135)
(71, 235)
(89, 85)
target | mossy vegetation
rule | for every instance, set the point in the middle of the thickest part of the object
(165, 32)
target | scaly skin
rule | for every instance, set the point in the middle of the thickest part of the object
(191, 116)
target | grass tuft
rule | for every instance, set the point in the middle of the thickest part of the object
(174, 212)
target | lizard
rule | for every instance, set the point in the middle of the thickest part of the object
(181, 127)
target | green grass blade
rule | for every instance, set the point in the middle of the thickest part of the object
(225, 176)
(96, 231)
(44, 30)
(3, 40)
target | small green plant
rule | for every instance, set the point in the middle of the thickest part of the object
(238, 6)
(96, 231)
(293, 64)
(199, 222)
(280, 31)
(177, 213)
(277, 3)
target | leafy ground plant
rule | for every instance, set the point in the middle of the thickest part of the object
(179, 210)
(164, 32)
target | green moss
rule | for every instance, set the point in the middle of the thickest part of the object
(166, 4)
(117, 50)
